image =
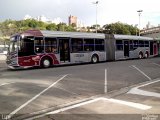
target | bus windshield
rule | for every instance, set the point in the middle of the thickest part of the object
(13, 46)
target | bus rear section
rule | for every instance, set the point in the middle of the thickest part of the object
(128, 46)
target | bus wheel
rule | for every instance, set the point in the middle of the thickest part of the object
(45, 63)
(140, 55)
(146, 55)
(94, 59)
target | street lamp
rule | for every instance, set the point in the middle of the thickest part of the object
(139, 13)
(96, 3)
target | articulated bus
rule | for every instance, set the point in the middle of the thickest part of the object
(129, 47)
(47, 48)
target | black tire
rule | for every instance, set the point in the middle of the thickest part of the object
(95, 59)
(146, 55)
(140, 55)
(45, 62)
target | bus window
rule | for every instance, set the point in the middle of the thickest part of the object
(39, 45)
(77, 44)
(119, 45)
(88, 44)
(141, 43)
(50, 45)
(99, 45)
(131, 45)
(135, 44)
(146, 43)
(26, 46)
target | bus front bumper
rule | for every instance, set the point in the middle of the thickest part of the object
(18, 67)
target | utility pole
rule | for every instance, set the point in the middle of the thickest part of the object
(96, 3)
(139, 13)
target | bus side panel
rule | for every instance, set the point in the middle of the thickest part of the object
(86, 57)
(27, 61)
(135, 53)
(110, 47)
(102, 55)
(119, 55)
(79, 57)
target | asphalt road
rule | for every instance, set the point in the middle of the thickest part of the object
(40, 90)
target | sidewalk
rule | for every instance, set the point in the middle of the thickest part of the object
(2, 61)
(2, 58)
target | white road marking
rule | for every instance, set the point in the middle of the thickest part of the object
(105, 82)
(6, 83)
(65, 108)
(74, 106)
(137, 91)
(130, 104)
(141, 72)
(29, 101)
(156, 64)
(148, 83)
(143, 92)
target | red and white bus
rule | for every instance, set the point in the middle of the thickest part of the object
(47, 48)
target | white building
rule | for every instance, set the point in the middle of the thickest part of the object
(27, 17)
(80, 23)
(44, 19)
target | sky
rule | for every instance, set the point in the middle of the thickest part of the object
(109, 11)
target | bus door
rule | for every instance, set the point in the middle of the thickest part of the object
(155, 48)
(151, 47)
(158, 47)
(64, 49)
(126, 48)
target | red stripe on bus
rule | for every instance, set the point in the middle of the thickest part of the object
(34, 32)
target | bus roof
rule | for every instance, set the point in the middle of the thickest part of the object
(131, 37)
(72, 34)
(46, 33)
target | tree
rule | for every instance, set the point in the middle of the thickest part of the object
(73, 25)
(32, 23)
(62, 27)
(94, 26)
(52, 26)
(8, 27)
(119, 28)
(70, 28)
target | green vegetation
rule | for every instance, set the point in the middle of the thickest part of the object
(120, 28)
(10, 27)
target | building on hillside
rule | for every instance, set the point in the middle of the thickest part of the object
(72, 20)
(44, 19)
(27, 17)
